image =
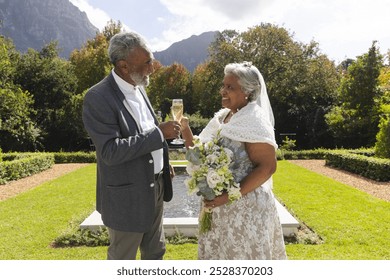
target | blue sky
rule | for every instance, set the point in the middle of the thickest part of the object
(343, 28)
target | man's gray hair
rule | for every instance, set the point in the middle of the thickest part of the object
(122, 44)
(248, 78)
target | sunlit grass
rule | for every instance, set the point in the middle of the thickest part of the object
(353, 224)
(30, 221)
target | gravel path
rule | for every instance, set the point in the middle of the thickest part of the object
(378, 189)
(15, 187)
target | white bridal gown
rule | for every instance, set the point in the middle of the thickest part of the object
(246, 229)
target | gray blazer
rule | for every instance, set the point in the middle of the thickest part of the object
(125, 169)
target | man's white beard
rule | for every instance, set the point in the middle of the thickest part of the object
(140, 80)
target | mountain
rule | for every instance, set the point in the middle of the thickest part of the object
(189, 52)
(35, 23)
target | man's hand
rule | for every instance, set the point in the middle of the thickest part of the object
(170, 129)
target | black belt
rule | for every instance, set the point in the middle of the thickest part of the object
(156, 176)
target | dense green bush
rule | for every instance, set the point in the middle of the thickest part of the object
(15, 166)
(76, 157)
(303, 154)
(197, 123)
(369, 167)
(382, 145)
(177, 154)
(83, 237)
(358, 161)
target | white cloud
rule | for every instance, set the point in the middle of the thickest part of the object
(193, 17)
(343, 28)
(238, 10)
(97, 17)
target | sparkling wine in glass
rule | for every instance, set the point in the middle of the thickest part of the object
(177, 113)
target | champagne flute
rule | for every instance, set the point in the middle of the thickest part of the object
(177, 113)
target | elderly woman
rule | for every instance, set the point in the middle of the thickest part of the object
(248, 228)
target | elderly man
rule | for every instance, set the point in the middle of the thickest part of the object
(133, 171)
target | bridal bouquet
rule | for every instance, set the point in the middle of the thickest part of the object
(208, 166)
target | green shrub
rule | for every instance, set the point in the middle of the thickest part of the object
(358, 161)
(382, 145)
(303, 154)
(288, 144)
(197, 123)
(369, 167)
(83, 237)
(368, 152)
(177, 154)
(94, 238)
(76, 157)
(16, 166)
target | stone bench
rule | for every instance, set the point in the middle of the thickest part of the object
(189, 226)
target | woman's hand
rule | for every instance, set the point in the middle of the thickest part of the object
(217, 201)
(186, 132)
(185, 123)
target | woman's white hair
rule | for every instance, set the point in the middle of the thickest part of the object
(249, 78)
(252, 83)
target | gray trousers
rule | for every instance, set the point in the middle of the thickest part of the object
(124, 245)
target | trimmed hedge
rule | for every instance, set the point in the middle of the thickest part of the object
(359, 161)
(303, 154)
(370, 167)
(76, 157)
(19, 165)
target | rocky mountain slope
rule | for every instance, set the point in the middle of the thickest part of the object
(35, 23)
(189, 52)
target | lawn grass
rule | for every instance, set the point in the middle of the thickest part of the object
(353, 224)
(30, 221)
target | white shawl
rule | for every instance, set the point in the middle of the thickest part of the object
(251, 124)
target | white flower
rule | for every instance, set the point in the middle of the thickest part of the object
(213, 178)
(229, 154)
(208, 166)
(191, 168)
(191, 185)
(234, 192)
(212, 159)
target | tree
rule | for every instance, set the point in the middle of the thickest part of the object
(7, 69)
(207, 78)
(382, 145)
(17, 129)
(206, 102)
(167, 83)
(51, 82)
(111, 29)
(354, 120)
(91, 63)
(71, 123)
(301, 82)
